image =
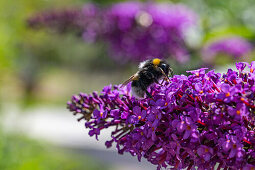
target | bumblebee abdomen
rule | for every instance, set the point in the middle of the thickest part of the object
(137, 89)
(140, 85)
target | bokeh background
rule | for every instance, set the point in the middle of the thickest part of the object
(50, 50)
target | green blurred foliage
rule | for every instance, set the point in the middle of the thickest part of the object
(223, 18)
(13, 26)
(20, 153)
(25, 53)
(226, 31)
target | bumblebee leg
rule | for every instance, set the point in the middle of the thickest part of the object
(167, 78)
(161, 84)
(148, 94)
(156, 81)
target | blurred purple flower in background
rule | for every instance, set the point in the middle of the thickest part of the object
(134, 31)
(83, 21)
(235, 47)
(191, 121)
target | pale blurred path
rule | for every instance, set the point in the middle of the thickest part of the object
(58, 126)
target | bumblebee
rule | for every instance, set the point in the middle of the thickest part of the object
(149, 72)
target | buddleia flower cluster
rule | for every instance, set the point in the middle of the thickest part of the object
(203, 120)
(133, 31)
(235, 47)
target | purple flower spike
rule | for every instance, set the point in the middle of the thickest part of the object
(196, 121)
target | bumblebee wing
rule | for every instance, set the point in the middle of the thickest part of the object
(133, 77)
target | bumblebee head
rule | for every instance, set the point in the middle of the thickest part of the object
(165, 67)
(162, 65)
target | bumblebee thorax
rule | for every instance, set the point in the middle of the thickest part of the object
(156, 61)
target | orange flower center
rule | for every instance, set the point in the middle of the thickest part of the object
(238, 112)
(139, 117)
(227, 94)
